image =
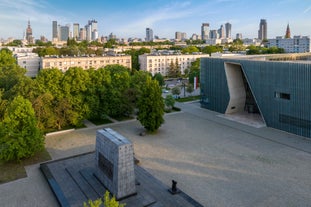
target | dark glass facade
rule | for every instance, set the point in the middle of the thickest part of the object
(282, 90)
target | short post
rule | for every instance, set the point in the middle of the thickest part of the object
(174, 189)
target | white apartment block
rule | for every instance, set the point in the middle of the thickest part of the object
(29, 61)
(298, 44)
(160, 62)
(64, 63)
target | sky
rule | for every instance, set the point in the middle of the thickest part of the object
(130, 18)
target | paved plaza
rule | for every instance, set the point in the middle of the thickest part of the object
(216, 161)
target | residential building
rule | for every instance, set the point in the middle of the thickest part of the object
(149, 35)
(262, 32)
(160, 61)
(274, 88)
(29, 61)
(85, 62)
(297, 44)
(205, 31)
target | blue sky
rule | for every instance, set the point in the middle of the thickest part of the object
(130, 18)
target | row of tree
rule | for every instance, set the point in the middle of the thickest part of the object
(56, 100)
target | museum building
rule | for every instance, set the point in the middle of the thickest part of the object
(278, 87)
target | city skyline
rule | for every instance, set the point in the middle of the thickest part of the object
(124, 19)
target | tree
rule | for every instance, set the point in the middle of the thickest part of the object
(176, 90)
(159, 77)
(150, 105)
(190, 50)
(194, 70)
(174, 69)
(212, 49)
(108, 202)
(19, 135)
(134, 54)
(169, 102)
(189, 88)
(120, 82)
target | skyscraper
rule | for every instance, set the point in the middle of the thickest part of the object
(262, 32)
(149, 35)
(54, 31)
(213, 34)
(205, 31)
(239, 36)
(221, 32)
(76, 30)
(228, 30)
(64, 33)
(287, 34)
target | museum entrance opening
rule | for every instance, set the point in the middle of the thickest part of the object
(242, 106)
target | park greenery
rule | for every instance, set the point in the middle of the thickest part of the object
(55, 101)
(106, 201)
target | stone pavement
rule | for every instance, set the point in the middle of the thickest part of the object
(216, 161)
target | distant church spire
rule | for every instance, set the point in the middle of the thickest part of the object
(287, 35)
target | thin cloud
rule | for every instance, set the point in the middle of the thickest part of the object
(307, 10)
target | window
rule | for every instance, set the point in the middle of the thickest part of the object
(285, 96)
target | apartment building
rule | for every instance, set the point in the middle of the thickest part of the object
(87, 62)
(160, 61)
(297, 44)
(29, 61)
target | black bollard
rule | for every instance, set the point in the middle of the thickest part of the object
(174, 189)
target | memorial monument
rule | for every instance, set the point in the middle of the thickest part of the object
(114, 157)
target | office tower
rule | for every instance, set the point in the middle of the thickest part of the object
(149, 35)
(262, 32)
(239, 36)
(213, 34)
(228, 30)
(94, 29)
(88, 32)
(64, 33)
(287, 34)
(112, 36)
(91, 30)
(82, 34)
(76, 30)
(221, 32)
(178, 35)
(195, 37)
(205, 31)
(54, 31)
(29, 36)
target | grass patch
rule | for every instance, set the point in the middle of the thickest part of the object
(174, 109)
(189, 98)
(15, 170)
(101, 121)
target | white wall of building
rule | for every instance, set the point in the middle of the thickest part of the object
(158, 63)
(298, 44)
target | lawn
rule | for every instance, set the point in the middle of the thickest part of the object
(15, 170)
(189, 98)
